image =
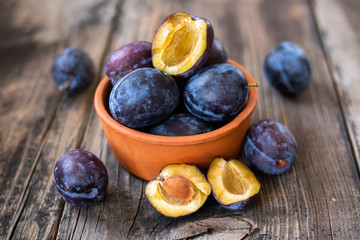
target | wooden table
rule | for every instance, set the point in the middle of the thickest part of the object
(319, 198)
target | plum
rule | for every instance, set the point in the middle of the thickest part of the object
(233, 185)
(73, 70)
(178, 190)
(218, 53)
(217, 92)
(287, 68)
(181, 124)
(144, 97)
(182, 44)
(127, 58)
(80, 177)
(270, 147)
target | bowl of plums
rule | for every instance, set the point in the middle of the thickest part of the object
(176, 100)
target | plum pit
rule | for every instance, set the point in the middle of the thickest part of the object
(178, 188)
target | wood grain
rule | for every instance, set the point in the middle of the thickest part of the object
(317, 199)
(41, 123)
(217, 228)
(343, 53)
(309, 201)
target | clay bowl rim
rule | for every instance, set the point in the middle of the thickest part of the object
(101, 95)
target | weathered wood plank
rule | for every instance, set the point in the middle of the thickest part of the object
(338, 23)
(310, 200)
(26, 108)
(38, 123)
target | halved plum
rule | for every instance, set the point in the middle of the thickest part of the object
(182, 44)
(178, 190)
(233, 185)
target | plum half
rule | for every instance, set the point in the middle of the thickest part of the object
(233, 185)
(182, 44)
(178, 190)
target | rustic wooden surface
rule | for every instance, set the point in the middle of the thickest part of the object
(318, 199)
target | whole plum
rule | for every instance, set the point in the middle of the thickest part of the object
(287, 68)
(72, 70)
(128, 58)
(80, 177)
(181, 124)
(217, 92)
(270, 147)
(144, 97)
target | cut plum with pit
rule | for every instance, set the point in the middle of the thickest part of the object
(178, 190)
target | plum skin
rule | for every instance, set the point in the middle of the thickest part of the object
(287, 68)
(181, 124)
(217, 54)
(216, 93)
(73, 70)
(127, 58)
(270, 147)
(80, 177)
(240, 205)
(143, 98)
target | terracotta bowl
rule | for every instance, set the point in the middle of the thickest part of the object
(144, 155)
